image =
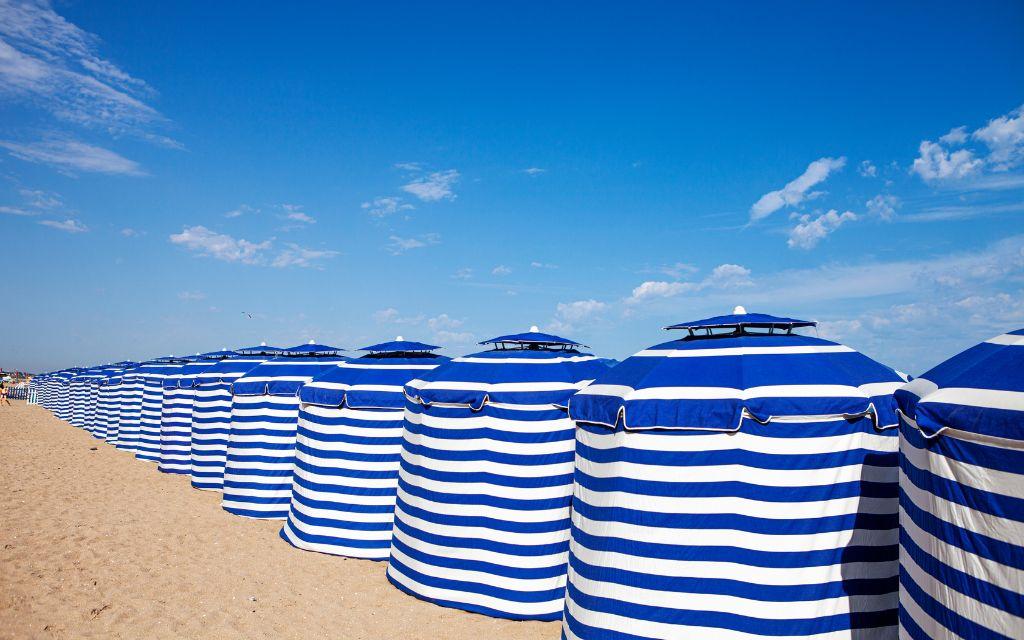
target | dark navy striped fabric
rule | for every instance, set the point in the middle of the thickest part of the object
(176, 416)
(107, 425)
(130, 390)
(735, 488)
(83, 390)
(261, 445)
(348, 447)
(152, 376)
(482, 513)
(62, 400)
(962, 495)
(211, 419)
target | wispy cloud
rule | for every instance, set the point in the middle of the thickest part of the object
(128, 232)
(434, 186)
(17, 211)
(811, 229)
(399, 245)
(205, 242)
(295, 256)
(543, 265)
(191, 296)
(961, 212)
(385, 206)
(534, 171)
(724, 276)
(569, 315)
(867, 169)
(501, 270)
(73, 156)
(464, 273)
(295, 213)
(51, 63)
(69, 225)
(883, 206)
(797, 190)
(1004, 137)
(241, 210)
(409, 166)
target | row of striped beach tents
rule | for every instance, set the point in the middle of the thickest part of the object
(743, 480)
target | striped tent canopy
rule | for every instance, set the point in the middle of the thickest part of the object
(739, 482)
(482, 513)
(177, 412)
(150, 377)
(130, 395)
(107, 420)
(62, 392)
(211, 414)
(348, 447)
(264, 420)
(962, 495)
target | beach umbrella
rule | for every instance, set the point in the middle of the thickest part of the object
(348, 447)
(962, 495)
(737, 482)
(264, 419)
(211, 414)
(177, 409)
(151, 375)
(482, 514)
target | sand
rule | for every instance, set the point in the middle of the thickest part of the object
(95, 544)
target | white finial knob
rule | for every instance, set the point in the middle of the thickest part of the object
(739, 310)
(399, 339)
(263, 344)
(534, 329)
(311, 341)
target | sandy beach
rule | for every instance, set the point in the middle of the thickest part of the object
(95, 544)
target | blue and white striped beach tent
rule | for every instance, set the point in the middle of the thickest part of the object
(107, 418)
(130, 396)
(348, 448)
(82, 395)
(962, 495)
(739, 482)
(152, 374)
(62, 403)
(35, 385)
(50, 391)
(177, 409)
(264, 420)
(482, 515)
(211, 414)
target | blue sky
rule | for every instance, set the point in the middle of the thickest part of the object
(178, 177)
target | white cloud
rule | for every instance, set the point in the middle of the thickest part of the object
(543, 265)
(957, 135)
(71, 156)
(399, 245)
(464, 273)
(811, 230)
(501, 270)
(409, 166)
(434, 186)
(386, 315)
(128, 232)
(884, 206)
(796, 191)
(572, 312)
(38, 199)
(221, 246)
(728, 276)
(295, 256)
(17, 211)
(240, 210)
(534, 171)
(937, 163)
(50, 63)
(191, 296)
(677, 270)
(962, 212)
(69, 225)
(659, 289)
(867, 169)
(294, 212)
(383, 207)
(1004, 136)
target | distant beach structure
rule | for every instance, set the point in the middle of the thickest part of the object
(962, 495)
(482, 517)
(740, 481)
(264, 420)
(348, 449)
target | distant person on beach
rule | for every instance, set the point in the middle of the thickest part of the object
(3, 393)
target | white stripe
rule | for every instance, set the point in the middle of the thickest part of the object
(525, 585)
(729, 393)
(506, 387)
(511, 538)
(1007, 339)
(487, 511)
(514, 360)
(705, 474)
(487, 489)
(486, 466)
(743, 351)
(474, 554)
(669, 444)
(978, 477)
(982, 398)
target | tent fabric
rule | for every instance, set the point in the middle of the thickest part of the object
(348, 447)
(211, 419)
(962, 495)
(482, 510)
(130, 391)
(83, 390)
(261, 443)
(177, 412)
(151, 410)
(108, 414)
(62, 404)
(735, 487)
